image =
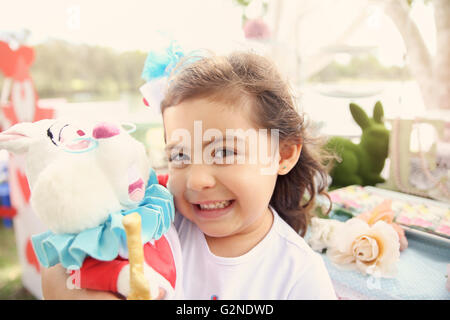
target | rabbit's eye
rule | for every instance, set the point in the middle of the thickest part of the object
(50, 135)
(74, 140)
(69, 133)
(54, 133)
(62, 134)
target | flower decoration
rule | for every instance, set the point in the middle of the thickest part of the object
(256, 29)
(370, 249)
(322, 231)
(369, 243)
(384, 212)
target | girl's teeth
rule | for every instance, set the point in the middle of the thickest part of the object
(216, 205)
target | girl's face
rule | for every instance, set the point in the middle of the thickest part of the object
(225, 189)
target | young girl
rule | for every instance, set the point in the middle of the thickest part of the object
(239, 217)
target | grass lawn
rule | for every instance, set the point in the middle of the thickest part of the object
(11, 287)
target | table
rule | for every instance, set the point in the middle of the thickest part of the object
(422, 267)
(422, 271)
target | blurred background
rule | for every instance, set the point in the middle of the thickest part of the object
(87, 59)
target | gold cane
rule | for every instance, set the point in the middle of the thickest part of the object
(139, 287)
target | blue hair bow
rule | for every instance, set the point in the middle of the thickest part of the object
(159, 63)
(104, 242)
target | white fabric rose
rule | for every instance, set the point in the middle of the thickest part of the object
(372, 249)
(322, 231)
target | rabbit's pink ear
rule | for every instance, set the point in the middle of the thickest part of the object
(16, 139)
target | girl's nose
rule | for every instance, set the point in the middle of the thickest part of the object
(105, 130)
(199, 178)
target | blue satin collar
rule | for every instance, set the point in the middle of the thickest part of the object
(106, 241)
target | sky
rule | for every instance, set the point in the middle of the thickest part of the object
(141, 24)
(124, 25)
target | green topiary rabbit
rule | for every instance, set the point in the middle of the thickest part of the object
(361, 163)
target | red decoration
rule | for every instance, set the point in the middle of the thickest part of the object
(23, 99)
(159, 257)
(162, 179)
(7, 212)
(31, 256)
(23, 182)
(102, 275)
(39, 114)
(16, 63)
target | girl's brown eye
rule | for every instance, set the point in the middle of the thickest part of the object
(222, 153)
(225, 152)
(179, 157)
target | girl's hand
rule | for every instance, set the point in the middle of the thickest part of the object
(54, 287)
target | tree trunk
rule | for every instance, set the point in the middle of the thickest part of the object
(285, 17)
(441, 70)
(431, 73)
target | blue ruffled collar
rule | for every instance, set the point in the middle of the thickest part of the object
(106, 241)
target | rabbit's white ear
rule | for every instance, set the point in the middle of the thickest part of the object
(18, 138)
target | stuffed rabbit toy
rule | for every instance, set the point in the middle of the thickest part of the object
(361, 164)
(83, 182)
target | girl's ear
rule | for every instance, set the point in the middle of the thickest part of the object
(378, 112)
(359, 115)
(289, 155)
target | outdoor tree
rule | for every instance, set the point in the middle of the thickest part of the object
(432, 72)
(290, 23)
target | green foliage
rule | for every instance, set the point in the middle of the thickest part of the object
(11, 287)
(245, 3)
(64, 69)
(411, 2)
(360, 67)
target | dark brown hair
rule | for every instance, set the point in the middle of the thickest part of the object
(243, 75)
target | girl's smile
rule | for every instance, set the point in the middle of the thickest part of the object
(213, 209)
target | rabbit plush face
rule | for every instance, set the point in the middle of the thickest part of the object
(78, 176)
(377, 140)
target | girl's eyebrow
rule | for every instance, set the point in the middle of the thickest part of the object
(205, 143)
(170, 146)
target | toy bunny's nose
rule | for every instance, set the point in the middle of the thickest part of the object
(105, 130)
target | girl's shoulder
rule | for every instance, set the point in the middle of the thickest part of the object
(311, 280)
(290, 241)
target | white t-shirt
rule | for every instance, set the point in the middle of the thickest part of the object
(281, 266)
